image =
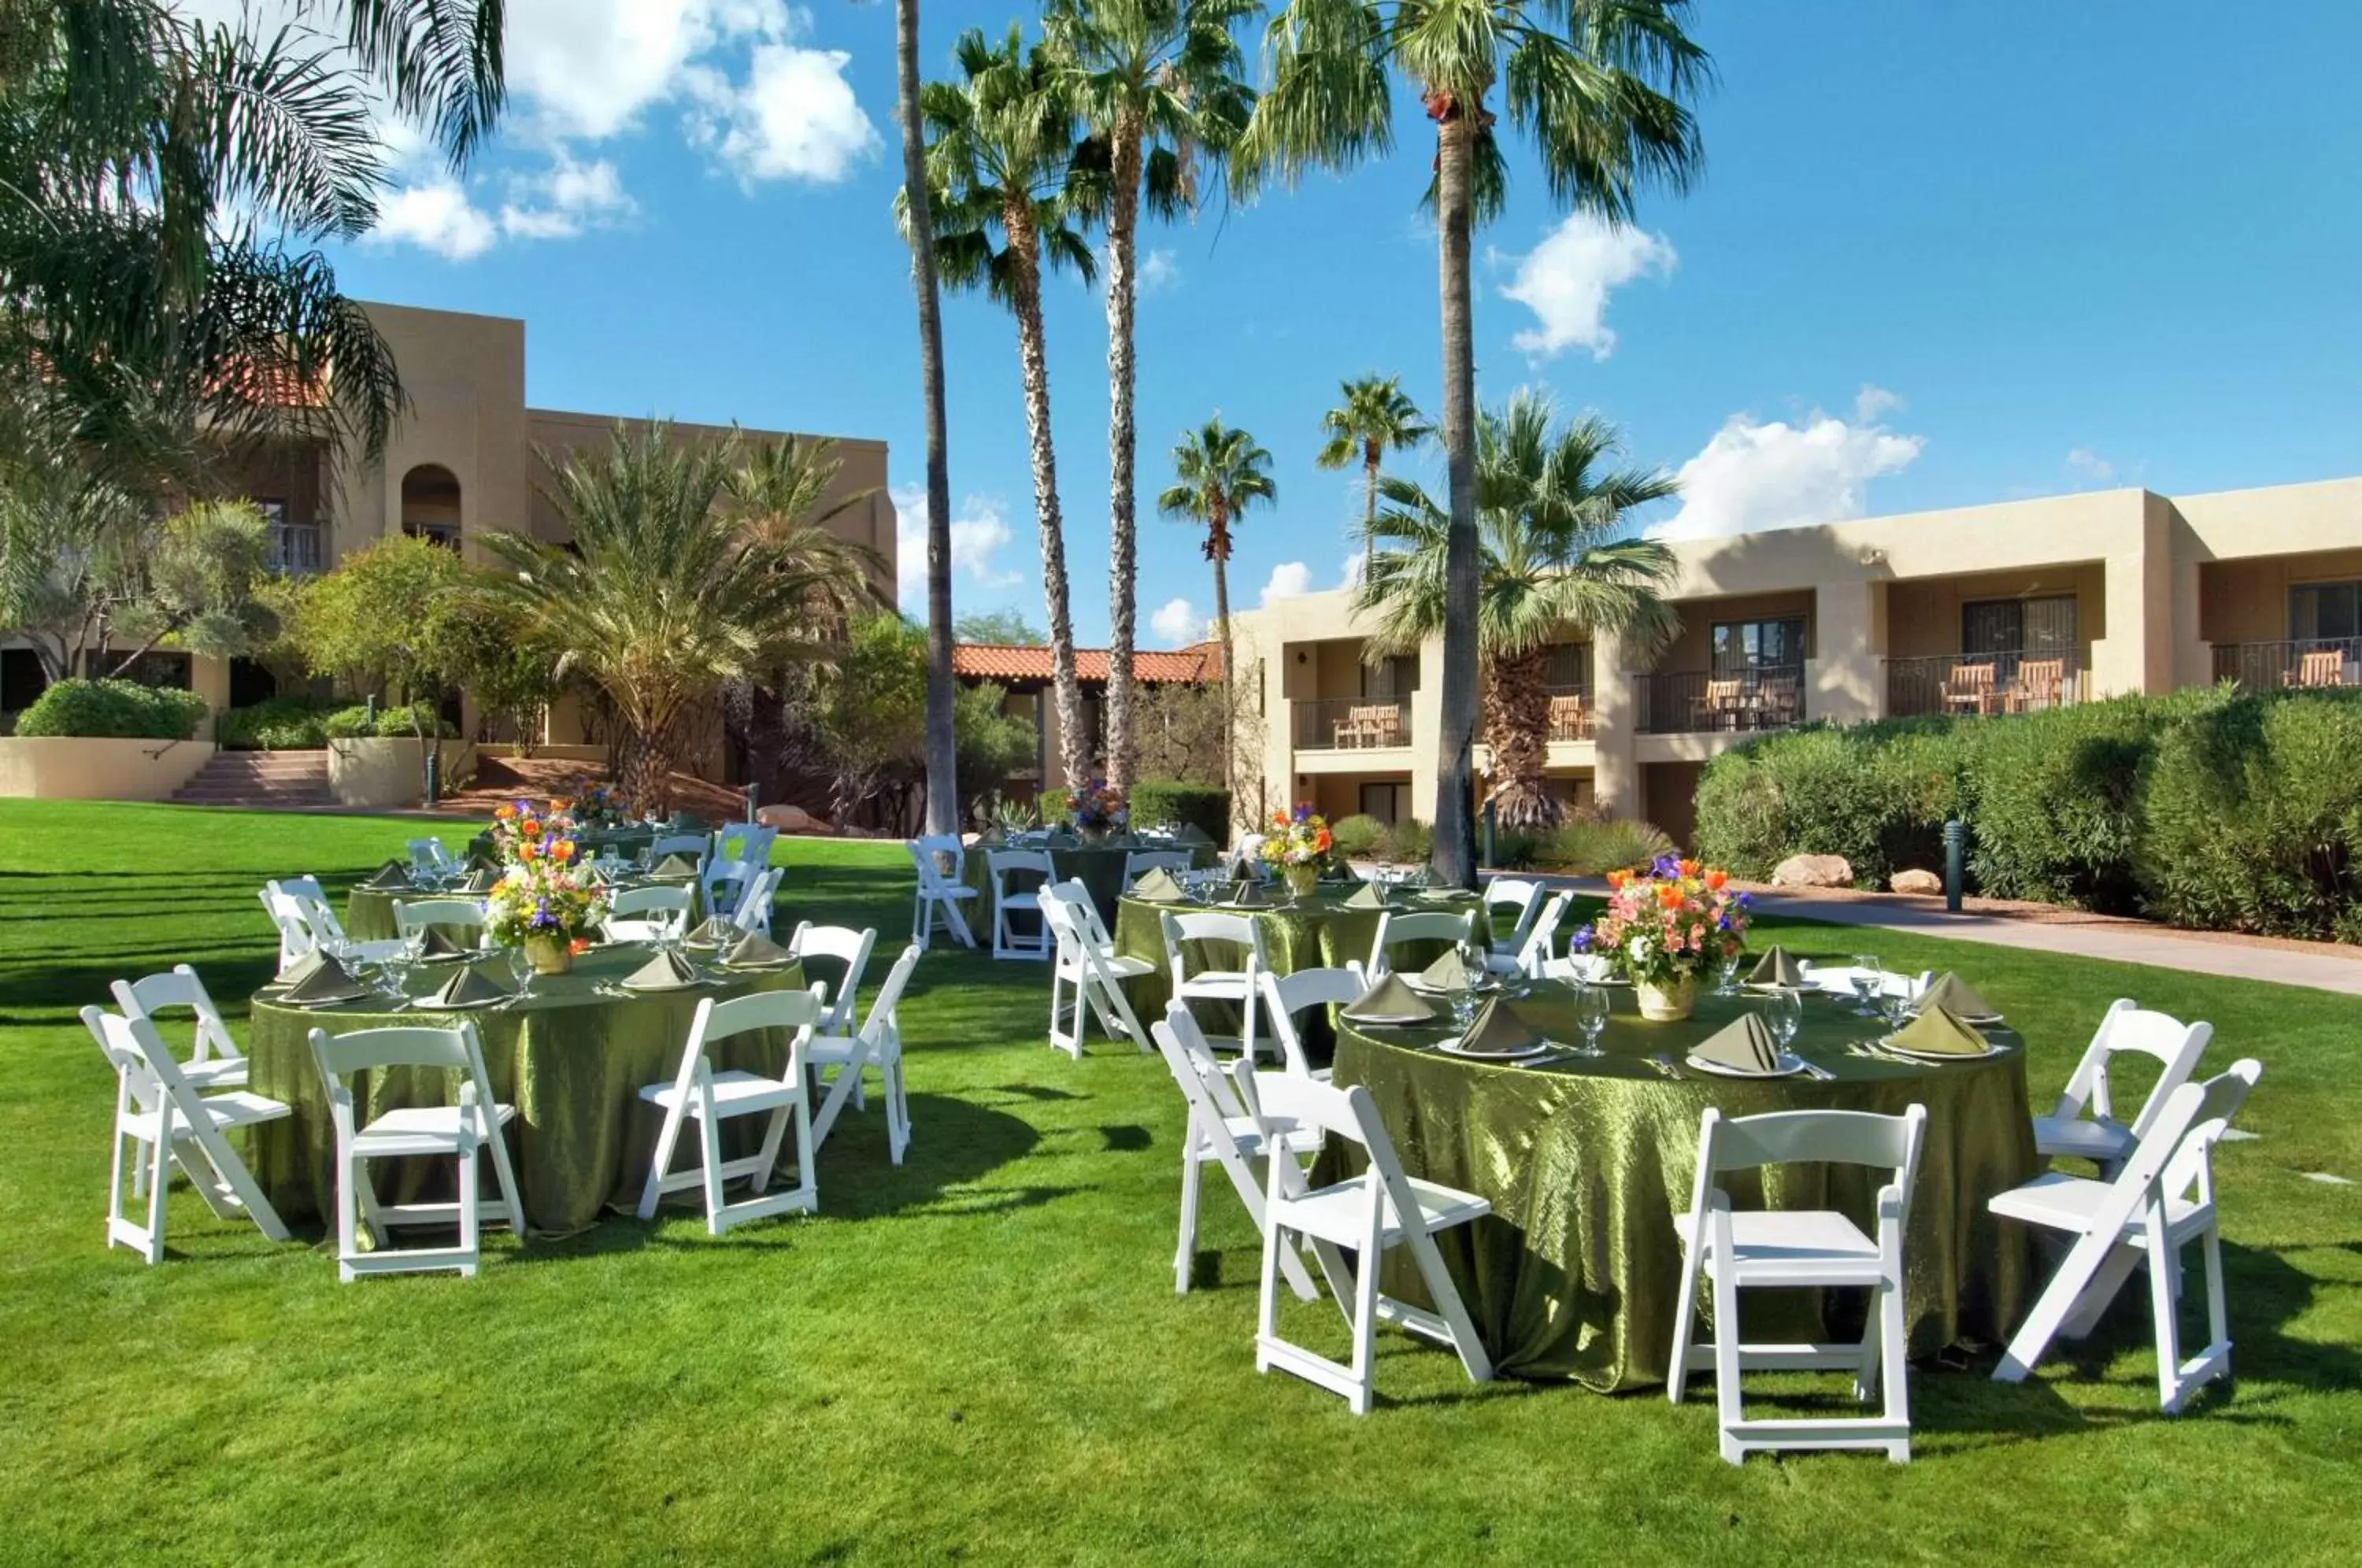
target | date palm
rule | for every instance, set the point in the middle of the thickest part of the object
(1557, 557)
(1373, 419)
(1003, 189)
(1217, 473)
(1158, 82)
(1599, 85)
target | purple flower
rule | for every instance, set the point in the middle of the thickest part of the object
(1583, 939)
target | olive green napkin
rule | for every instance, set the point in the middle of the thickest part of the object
(1449, 973)
(675, 865)
(1390, 1002)
(1958, 998)
(717, 931)
(1776, 968)
(665, 972)
(1499, 1032)
(1247, 893)
(1367, 897)
(1936, 1031)
(1744, 1045)
(754, 950)
(1193, 835)
(1157, 885)
(389, 877)
(303, 969)
(470, 987)
(331, 982)
(435, 944)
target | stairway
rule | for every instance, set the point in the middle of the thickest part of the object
(265, 780)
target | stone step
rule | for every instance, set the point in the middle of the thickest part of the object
(268, 779)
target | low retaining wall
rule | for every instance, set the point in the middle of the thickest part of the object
(380, 774)
(84, 768)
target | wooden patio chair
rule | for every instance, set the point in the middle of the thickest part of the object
(1718, 708)
(1567, 720)
(2041, 683)
(2322, 666)
(1970, 688)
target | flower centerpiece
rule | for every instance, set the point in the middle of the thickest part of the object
(546, 901)
(521, 824)
(1666, 926)
(1096, 809)
(597, 807)
(1298, 843)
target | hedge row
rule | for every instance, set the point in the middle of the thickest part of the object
(1171, 803)
(120, 710)
(2201, 807)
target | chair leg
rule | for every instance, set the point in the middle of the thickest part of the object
(660, 1164)
(1365, 1323)
(469, 1238)
(709, 1139)
(348, 1179)
(1896, 1352)
(2164, 1298)
(1677, 1374)
(160, 1181)
(1185, 1252)
(1726, 1408)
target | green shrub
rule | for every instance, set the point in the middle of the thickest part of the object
(1410, 840)
(1877, 794)
(348, 723)
(121, 710)
(392, 723)
(1591, 846)
(282, 723)
(1174, 803)
(1515, 850)
(1357, 834)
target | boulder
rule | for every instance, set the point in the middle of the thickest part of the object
(1926, 883)
(793, 819)
(1813, 871)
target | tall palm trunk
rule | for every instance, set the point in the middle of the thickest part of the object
(1455, 829)
(942, 749)
(1025, 290)
(1218, 546)
(1124, 224)
(647, 775)
(1517, 729)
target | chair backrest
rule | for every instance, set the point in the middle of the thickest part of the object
(2322, 666)
(1285, 996)
(1807, 1137)
(1521, 894)
(406, 1045)
(1022, 863)
(2128, 1027)
(177, 988)
(2190, 1165)
(924, 858)
(1139, 862)
(142, 1065)
(718, 873)
(1289, 1103)
(716, 1021)
(1542, 935)
(692, 844)
(882, 1020)
(743, 841)
(417, 914)
(296, 936)
(1722, 690)
(1970, 679)
(640, 900)
(2042, 677)
(1439, 926)
(842, 945)
(1213, 1097)
(756, 899)
(1209, 925)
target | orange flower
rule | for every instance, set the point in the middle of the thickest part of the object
(1716, 877)
(1618, 879)
(562, 851)
(579, 945)
(525, 851)
(1321, 841)
(1686, 868)
(1669, 896)
(505, 812)
(531, 827)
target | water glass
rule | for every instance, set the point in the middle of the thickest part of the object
(1591, 1008)
(1784, 1014)
(1727, 986)
(1866, 978)
(1893, 1006)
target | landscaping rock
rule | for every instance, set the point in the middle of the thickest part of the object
(1813, 871)
(1922, 882)
(793, 819)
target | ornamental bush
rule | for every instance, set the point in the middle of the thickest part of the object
(282, 724)
(121, 710)
(1357, 834)
(1172, 802)
(1591, 846)
(390, 723)
(1410, 840)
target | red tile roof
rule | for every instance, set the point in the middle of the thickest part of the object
(996, 661)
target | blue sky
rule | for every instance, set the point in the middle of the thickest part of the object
(1942, 254)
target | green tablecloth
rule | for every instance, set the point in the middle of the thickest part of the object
(1576, 1272)
(368, 912)
(1098, 867)
(572, 1062)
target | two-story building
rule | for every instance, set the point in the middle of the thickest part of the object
(1985, 611)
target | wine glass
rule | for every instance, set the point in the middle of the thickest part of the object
(1591, 1008)
(520, 968)
(1472, 959)
(1893, 1006)
(1727, 986)
(1784, 1014)
(412, 947)
(1866, 977)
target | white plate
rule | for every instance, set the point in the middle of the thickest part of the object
(1772, 987)
(1790, 1066)
(1389, 1021)
(437, 1004)
(1451, 1048)
(659, 990)
(1936, 1058)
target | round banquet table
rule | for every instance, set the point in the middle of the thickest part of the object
(1098, 867)
(1588, 1162)
(368, 912)
(1319, 932)
(570, 1059)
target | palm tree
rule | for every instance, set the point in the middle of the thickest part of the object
(1000, 178)
(1156, 83)
(918, 224)
(1556, 556)
(1373, 419)
(662, 593)
(1599, 84)
(1217, 473)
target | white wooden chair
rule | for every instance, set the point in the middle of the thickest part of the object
(2083, 1123)
(845, 1057)
(167, 1122)
(1138, 863)
(847, 946)
(647, 913)
(1220, 1130)
(1238, 986)
(461, 1132)
(1533, 951)
(1010, 902)
(1086, 971)
(757, 900)
(1285, 996)
(1368, 1215)
(412, 917)
(749, 842)
(213, 1061)
(722, 884)
(296, 940)
(1782, 1249)
(1401, 930)
(2159, 1202)
(701, 1096)
(690, 845)
(940, 894)
(1512, 904)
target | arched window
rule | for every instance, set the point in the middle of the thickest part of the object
(430, 504)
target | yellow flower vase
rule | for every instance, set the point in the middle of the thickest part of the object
(1667, 1003)
(550, 954)
(1302, 881)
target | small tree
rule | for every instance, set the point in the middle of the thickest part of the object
(386, 621)
(503, 663)
(1004, 628)
(993, 742)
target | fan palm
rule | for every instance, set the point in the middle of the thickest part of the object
(1006, 198)
(662, 593)
(1157, 81)
(1556, 556)
(1599, 85)
(1373, 419)
(1217, 473)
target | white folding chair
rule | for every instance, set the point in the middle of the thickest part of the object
(412, 917)
(1086, 963)
(939, 893)
(1511, 906)
(1368, 1215)
(2158, 1203)
(668, 906)
(1138, 863)
(1285, 996)
(1783, 1249)
(842, 1058)
(1534, 950)
(214, 1062)
(701, 1095)
(841, 945)
(1008, 901)
(1222, 1129)
(2083, 1123)
(296, 939)
(749, 842)
(756, 903)
(1401, 930)
(160, 1114)
(1238, 986)
(462, 1131)
(691, 845)
(718, 874)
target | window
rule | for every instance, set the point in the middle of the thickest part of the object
(2019, 626)
(21, 680)
(1743, 646)
(1396, 675)
(2326, 611)
(294, 547)
(1570, 666)
(1390, 803)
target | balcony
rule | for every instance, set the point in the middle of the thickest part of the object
(1689, 702)
(2312, 661)
(1572, 714)
(1350, 724)
(296, 548)
(1970, 685)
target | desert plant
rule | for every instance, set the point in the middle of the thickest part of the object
(1357, 835)
(1408, 840)
(122, 710)
(1591, 845)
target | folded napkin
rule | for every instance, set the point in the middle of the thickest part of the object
(1776, 968)
(303, 969)
(756, 948)
(470, 987)
(331, 982)
(1191, 833)
(675, 865)
(1157, 885)
(392, 874)
(1247, 893)
(1367, 897)
(667, 971)
(481, 880)
(1391, 1000)
(1449, 972)
(1937, 1031)
(717, 931)
(1958, 998)
(1338, 874)
(1499, 1032)
(1744, 1046)
(434, 945)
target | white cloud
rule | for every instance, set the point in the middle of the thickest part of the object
(795, 117)
(1176, 620)
(586, 69)
(1158, 271)
(566, 200)
(1356, 561)
(1288, 579)
(439, 216)
(1755, 475)
(2090, 464)
(979, 532)
(1874, 402)
(1565, 279)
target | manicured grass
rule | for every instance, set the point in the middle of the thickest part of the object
(980, 1354)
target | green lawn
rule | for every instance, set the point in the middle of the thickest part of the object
(980, 1354)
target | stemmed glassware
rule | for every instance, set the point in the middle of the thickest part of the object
(1784, 1014)
(520, 969)
(1866, 977)
(1894, 1007)
(398, 962)
(1727, 985)
(1591, 1009)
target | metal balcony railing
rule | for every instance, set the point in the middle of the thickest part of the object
(1706, 702)
(296, 548)
(1972, 684)
(2310, 661)
(1350, 724)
